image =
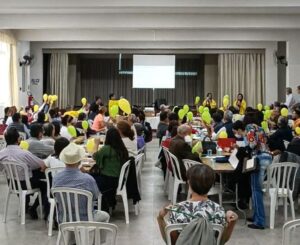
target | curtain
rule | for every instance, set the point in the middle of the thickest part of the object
(8, 70)
(242, 73)
(100, 76)
(58, 79)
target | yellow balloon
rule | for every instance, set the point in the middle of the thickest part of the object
(225, 102)
(259, 106)
(90, 145)
(189, 116)
(206, 109)
(24, 145)
(54, 97)
(223, 135)
(186, 108)
(297, 130)
(267, 107)
(72, 131)
(197, 100)
(35, 108)
(83, 101)
(284, 112)
(125, 106)
(201, 109)
(264, 125)
(181, 114)
(85, 125)
(206, 117)
(45, 97)
(73, 114)
(114, 110)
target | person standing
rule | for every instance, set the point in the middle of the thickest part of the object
(290, 99)
(209, 102)
(240, 104)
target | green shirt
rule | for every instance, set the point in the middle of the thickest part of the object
(108, 161)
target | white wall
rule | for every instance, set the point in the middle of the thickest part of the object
(171, 47)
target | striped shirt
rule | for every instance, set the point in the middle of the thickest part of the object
(15, 153)
(39, 148)
(74, 178)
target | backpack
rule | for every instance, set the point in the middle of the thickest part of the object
(198, 232)
(147, 132)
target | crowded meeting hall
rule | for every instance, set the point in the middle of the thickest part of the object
(150, 122)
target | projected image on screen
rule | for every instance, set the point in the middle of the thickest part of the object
(154, 71)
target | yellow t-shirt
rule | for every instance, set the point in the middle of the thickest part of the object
(242, 106)
(212, 104)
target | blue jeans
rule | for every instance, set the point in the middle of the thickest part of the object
(257, 178)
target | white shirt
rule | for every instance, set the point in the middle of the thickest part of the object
(9, 121)
(64, 133)
(53, 162)
(131, 146)
(290, 101)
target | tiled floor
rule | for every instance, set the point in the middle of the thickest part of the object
(142, 229)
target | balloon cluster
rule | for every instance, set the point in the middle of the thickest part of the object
(50, 98)
(182, 112)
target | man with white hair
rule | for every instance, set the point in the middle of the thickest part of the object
(228, 123)
(181, 149)
(72, 177)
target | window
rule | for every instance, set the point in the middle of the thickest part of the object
(5, 93)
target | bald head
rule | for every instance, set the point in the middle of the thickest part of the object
(183, 130)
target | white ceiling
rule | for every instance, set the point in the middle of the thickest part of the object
(145, 20)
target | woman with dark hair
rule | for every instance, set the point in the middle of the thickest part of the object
(209, 102)
(66, 121)
(218, 124)
(56, 125)
(240, 104)
(49, 131)
(109, 160)
(127, 135)
(200, 179)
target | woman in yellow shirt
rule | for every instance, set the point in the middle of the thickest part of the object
(240, 104)
(209, 102)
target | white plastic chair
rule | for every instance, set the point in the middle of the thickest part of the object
(51, 199)
(169, 179)
(179, 227)
(215, 190)
(143, 150)
(2, 144)
(12, 171)
(67, 202)
(177, 176)
(286, 230)
(87, 233)
(138, 164)
(121, 190)
(281, 182)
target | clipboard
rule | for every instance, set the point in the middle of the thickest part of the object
(249, 164)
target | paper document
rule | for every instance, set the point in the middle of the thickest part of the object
(250, 164)
(233, 159)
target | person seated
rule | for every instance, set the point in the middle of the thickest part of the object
(162, 126)
(296, 117)
(48, 137)
(65, 122)
(140, 138)
(41, 118)
(78, 125)
(200, 179)
(147, 130)
(109, 160)
(228, 123)
(240, 104)
(94, 110)
(181, 149)
(209, 102)
(56, 125)
(16, 123)
(53, 116)
(217, 121)
(127, 135)
(11, 111)
(99, 123)
(72, 177)
(294, 146)
(53, 161)
(13, 152)
(283, 133)
(36, 146)
(272, 122)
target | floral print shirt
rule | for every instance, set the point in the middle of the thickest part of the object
(186, 211)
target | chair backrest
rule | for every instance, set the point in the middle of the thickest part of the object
(282, 175)
(286, 230)
(167, 157)
(189, 163)
(142, 150)
(2, 144)
(14, 171)
(123, 175)
(175, 165)
(138, 162)
(179, 227)
(87, 233)
(70, 203)
(51, 171)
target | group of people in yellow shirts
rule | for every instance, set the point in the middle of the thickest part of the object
(240, 104)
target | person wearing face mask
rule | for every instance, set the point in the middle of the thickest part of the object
(209, 102)
(182, 149)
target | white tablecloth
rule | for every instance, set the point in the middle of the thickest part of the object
(154, 121)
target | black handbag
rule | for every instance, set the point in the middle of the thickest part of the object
(209, 145)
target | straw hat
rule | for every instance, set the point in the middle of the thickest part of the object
(72, 154)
